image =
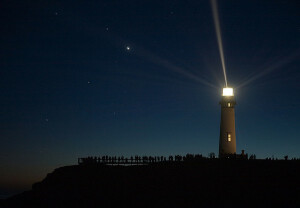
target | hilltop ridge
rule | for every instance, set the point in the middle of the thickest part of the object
(211, 182)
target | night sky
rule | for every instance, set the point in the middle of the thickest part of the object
(114, 77)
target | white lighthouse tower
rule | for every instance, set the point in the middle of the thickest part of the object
(227, 144)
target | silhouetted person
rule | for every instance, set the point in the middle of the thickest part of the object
(212, 155)
(131, 160)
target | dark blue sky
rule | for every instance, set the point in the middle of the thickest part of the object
(70, 88)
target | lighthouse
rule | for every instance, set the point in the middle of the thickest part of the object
(227, 143)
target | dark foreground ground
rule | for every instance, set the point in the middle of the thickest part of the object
(207, 183)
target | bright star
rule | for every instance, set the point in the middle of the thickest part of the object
(128, 48)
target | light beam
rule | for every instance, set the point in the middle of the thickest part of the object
(214, 7)
(274, 66)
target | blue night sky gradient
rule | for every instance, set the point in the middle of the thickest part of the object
(69, 87)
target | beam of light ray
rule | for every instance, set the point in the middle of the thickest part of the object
(214, 7)
(271, 68)
(168, 65)
(158, 80)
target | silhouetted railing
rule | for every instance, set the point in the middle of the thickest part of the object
(137, 160)
(145, 160)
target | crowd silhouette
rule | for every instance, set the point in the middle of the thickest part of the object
(143, 160)
(136, 160)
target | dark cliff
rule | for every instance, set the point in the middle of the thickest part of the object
(208, 183)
